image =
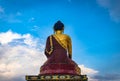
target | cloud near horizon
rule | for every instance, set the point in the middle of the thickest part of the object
(22, 55)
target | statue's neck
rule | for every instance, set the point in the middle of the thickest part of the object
(59, 32)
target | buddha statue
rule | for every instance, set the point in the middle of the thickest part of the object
(58, 51)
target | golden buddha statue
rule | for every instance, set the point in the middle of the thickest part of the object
(59, 53)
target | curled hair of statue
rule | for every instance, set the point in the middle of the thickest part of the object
(58, 26)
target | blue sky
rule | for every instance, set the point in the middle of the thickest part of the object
(93, 25)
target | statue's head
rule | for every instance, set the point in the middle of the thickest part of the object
(58, 26)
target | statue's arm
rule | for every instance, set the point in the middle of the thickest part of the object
(47, 47)
(69, 47)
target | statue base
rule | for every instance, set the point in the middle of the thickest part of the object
(56, 77)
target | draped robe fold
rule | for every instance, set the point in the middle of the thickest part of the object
(58, 61)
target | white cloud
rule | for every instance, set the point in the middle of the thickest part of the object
(89, 72)
(35, 28)
(32, 19)
(113, 7)
(7, 37)
(19, 59)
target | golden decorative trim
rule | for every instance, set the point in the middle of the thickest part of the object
(34, 78)
(26, 77)
(57, 78)
(78, 70)
(51, 46)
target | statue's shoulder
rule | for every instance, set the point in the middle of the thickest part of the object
(67, 36)
(49, 36)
